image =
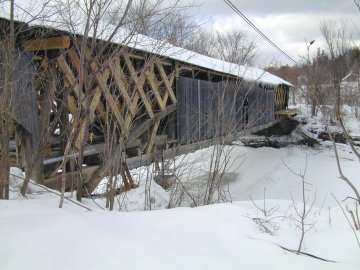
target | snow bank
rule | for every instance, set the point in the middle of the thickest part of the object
(254, 170)
(37, 235)
(148, 195)
(16, 180)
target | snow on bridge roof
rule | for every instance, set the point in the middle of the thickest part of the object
(165, 49)
(248, 73)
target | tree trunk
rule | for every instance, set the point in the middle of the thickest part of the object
(5, 108)
(313, 108)
(4, 159)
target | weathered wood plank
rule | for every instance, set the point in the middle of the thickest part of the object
(70, 177)
(95, 104)
(154, 84)
(69, 75)
(99, 173)
(74, 58)
(109, 98)
(81, 134)
(166, 96)
(288, 113)
(42, 44)
(89, 150)
(135, 97)
(152, 136)
(95, 101)
(133, 107)
(118, 76)
(131, 55)
(166, 81)
(139, 86)
(71, 104)
(143, 127)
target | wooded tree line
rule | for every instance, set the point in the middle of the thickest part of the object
(322, 81)
(318, 75)
(181, 29)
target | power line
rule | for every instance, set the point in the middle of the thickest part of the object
(234, 8)
(253, 26)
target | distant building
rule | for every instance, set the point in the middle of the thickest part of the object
(350, 88)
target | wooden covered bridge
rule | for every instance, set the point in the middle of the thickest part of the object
(135, 96)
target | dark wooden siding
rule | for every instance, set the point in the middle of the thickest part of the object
(210, 109)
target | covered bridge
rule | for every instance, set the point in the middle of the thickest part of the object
(137, 93)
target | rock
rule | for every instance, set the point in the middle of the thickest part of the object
(166, 181)
(283, 127)
(297, 137)
(337, 136)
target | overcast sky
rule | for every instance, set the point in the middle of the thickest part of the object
(287, 22)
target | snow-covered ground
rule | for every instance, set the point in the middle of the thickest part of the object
(35, 234)
(273, 170)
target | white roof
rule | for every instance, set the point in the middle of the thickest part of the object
(165, 49)
(248, 73)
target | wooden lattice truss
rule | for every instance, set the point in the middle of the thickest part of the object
(280, 98)
(136, 91)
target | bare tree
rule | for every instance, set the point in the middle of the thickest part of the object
(357, 4)
(202, 42)
(316, 80)
(221, 120)
(303, 212)
(5, 110)
(10, 60)
(235, 47)
(91, 19)
(268, 215)
(170, 23)
(338, 43)
(111, 22)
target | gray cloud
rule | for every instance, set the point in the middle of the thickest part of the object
(288, 23)
(217, 7)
